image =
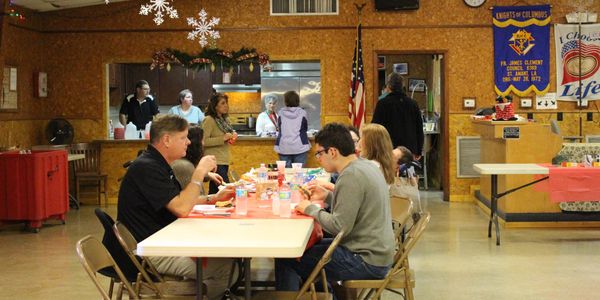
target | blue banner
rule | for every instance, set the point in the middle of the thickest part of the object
(521, 49)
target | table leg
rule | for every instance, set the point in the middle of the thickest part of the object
(494, 209)
(247, 278)
(199, 285)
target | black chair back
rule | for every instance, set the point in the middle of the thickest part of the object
(114, 248)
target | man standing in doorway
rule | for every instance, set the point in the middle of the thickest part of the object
(138, 108)
(401, 116)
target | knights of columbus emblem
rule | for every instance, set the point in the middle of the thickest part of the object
(521, 42)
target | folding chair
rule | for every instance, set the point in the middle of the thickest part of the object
(161, 288)
(109, 240)
(304, 292)
(94, 257)
(401, 211)
(400, 276)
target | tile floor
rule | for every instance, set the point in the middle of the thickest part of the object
(454, 259)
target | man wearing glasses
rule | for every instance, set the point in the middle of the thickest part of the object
(359, 206)
(138, 108)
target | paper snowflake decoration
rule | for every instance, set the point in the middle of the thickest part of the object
(203, 28)
(160, 6)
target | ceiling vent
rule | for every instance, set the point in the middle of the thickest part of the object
(304, 7)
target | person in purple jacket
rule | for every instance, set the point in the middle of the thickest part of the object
(292, 141)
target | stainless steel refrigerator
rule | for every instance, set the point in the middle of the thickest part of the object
(303, 77)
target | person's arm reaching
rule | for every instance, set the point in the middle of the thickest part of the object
(182, 204)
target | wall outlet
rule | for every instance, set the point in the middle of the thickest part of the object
(526, 102)
(469, 103)
(559, 116)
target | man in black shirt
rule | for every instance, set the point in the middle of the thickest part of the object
(138, 108)
(150, 198)
(401, 116)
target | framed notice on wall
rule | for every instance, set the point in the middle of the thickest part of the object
(8, 99)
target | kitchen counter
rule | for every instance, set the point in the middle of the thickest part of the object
(252, 137)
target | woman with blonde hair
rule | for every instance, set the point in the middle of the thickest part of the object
(375, 144)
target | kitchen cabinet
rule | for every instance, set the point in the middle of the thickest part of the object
(116, 79)
(164, 85)
(241, 74)
(170, 83)
(137, 72)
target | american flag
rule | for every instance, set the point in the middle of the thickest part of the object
(570, 56)
(356, 103)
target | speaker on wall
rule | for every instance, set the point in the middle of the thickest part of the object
(383, 5)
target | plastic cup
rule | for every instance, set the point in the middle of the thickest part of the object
(296, 166)
(281, 165)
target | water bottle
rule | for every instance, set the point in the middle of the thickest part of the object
(262, 173)
(275, 204)
(241, 200)
(111, 130)
(285, 195)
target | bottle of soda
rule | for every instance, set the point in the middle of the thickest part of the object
(285, 195)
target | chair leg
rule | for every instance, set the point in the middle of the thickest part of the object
(98, 193)
(77, 189)
(110, 287)
(105, 192)
(120, 291)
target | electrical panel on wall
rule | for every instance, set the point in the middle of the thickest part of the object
(40, 84)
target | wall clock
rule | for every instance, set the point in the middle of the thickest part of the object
(474, 3)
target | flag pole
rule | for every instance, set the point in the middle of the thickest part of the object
(359, 8)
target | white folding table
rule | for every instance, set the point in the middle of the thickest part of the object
(506, 169)
(229, 237)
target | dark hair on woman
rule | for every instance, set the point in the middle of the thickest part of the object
(211, 109)
(291, 99)
(195, 151)
(336, 135)
(141, 83)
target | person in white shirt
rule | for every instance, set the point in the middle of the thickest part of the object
(186, 110)
(266, 124)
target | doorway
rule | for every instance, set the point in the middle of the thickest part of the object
(424, 81)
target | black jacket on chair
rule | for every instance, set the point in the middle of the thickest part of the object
(401, 116)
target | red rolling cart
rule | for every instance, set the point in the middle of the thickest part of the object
(34, 186)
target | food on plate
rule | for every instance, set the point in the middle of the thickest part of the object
(227, 203)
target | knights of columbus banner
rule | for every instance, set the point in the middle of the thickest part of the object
(521, 49)
(569, 44)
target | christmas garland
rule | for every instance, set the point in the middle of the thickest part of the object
(208, 57)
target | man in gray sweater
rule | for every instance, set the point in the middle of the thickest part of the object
(360, 206)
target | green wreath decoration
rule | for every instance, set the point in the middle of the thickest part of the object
(208, 57)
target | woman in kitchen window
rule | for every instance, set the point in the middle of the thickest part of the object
(266, 124)
(292, 141)
(186, 110)
(218, 135)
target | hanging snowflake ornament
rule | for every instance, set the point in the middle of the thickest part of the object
(161, 7)
(203, 28)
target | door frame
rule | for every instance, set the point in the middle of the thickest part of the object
(445, 104)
